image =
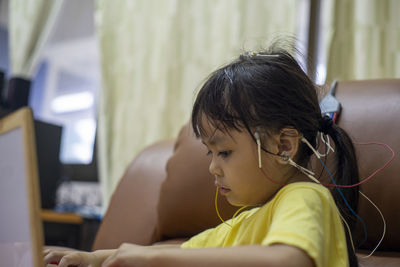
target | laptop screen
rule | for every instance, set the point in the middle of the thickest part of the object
(21, 238)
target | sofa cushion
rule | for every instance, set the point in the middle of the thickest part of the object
(186, 205)
(381, 259)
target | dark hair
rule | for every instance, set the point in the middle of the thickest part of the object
(269, 90)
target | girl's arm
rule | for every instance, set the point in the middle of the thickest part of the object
(275, 255)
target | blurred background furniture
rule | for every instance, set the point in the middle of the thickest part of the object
(167, 194)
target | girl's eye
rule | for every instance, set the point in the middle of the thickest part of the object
(224, 154)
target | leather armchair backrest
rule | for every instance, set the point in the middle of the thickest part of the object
(131, 215)
(371, 112)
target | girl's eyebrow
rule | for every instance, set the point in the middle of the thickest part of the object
(215, 139)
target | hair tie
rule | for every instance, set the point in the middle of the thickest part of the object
(325, 124)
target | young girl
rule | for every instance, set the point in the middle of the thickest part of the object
(259, 118)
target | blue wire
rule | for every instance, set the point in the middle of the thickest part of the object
(347, 204)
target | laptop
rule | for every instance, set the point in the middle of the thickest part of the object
(21, 233)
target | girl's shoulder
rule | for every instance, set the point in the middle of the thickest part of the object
(303, 187)
(308, 193)
(301, 195)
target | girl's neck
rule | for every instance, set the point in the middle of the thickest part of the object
(297, 176)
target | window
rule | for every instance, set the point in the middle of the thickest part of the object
(66, 85)
(66, 94)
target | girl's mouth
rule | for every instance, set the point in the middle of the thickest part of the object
(223, 191)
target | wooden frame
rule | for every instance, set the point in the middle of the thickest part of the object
(20, 123)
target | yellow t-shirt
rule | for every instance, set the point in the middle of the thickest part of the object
(301, 214)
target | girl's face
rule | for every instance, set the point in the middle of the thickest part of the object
(234, 165)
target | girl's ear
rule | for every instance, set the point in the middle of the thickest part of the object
(288, 144)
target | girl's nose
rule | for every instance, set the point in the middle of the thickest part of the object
(214, 169)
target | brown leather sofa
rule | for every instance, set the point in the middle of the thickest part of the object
(167, 194)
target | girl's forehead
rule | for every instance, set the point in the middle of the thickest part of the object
(216, 139)
(212, 134)
(210, 129)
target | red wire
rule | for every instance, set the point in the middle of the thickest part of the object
(363, 180)
(334, 117)
(270, 179)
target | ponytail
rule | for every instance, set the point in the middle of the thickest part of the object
(346, 173)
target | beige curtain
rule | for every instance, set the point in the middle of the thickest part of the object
(363, 39)
(30, 25)
(156, 53)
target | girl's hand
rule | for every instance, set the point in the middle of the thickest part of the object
(69, 258)
(66, 258)
(129, 255)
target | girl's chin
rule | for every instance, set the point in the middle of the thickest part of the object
(235, 202)
(238, 203)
